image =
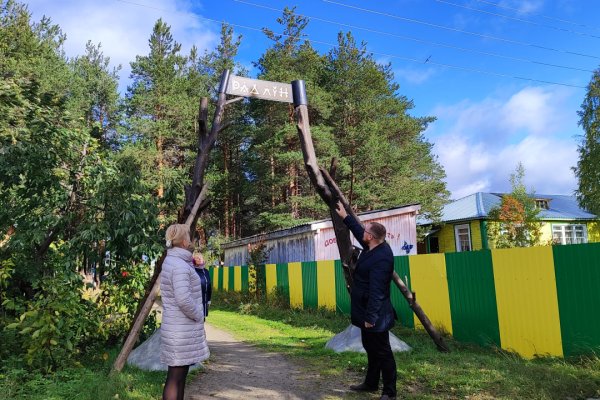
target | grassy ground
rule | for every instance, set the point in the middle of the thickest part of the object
(468, 371)
(90, 381)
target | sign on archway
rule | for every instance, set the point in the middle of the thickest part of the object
(259, 89)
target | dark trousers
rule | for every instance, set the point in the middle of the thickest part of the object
(381, 360)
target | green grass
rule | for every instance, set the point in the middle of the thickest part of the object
(90, 381)
(468, 371)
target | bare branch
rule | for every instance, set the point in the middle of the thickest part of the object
(234, 100)
(199, 200)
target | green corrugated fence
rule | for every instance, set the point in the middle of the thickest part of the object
(534, 301)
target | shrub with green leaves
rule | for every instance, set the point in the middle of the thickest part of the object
(58, 323)
(122, 291)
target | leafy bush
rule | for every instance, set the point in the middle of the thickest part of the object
(57, 323)
(121, 293)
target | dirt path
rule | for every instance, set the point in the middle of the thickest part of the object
(238, 370)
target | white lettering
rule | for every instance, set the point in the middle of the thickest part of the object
(282, 91)
(254, 90)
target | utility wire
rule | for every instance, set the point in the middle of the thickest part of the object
(517, 19)
(467, 69)
(416, 21)
(463, 49)
(539, 15)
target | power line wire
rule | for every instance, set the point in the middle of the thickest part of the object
(416, 21)
(539, 15)
(467, 69)
(517, 19)
(463, 49)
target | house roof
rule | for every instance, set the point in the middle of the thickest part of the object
(320, 224)
(478, 206)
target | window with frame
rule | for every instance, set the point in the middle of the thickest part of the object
(569, 234)
(462, 234)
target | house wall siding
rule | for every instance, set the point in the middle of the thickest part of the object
(446, 239)
(546, 232)
(476, 235)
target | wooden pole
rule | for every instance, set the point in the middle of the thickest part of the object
(196, 202)
(331, 194)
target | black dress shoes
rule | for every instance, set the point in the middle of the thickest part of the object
(387, 397)
(363, 388)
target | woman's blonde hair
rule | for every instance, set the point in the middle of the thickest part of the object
(176, 234)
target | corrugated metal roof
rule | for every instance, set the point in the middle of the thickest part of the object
(478, 206)
(320, 224)
(563, 207)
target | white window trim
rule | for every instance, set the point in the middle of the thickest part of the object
(585, 231)
(457, 239)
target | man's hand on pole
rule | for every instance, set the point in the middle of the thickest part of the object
(341, 211)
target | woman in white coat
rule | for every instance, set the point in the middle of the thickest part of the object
(183, 341)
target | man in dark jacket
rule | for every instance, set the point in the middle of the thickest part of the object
(370, 305)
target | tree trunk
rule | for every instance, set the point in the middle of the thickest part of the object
(160, 166)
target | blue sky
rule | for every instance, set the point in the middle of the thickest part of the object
(458, 60)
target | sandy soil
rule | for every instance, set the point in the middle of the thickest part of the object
(238, 370)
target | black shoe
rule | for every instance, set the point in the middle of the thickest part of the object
(387, 397)
(363, 388)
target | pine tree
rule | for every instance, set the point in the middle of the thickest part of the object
(385, 160)
(284, 193)
(96, 93)
(228, 163)
(588, 166)
(161, 112)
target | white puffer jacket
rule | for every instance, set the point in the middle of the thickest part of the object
(183, 341)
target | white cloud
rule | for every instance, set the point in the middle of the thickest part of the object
(480, 144)
(532, 110)
(123, 28)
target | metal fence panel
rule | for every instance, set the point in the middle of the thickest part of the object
(473, 297)
(310, 293)
(326, 292)
(577, 269)
(428, 278)
(342, 297)
(527, 303)
(405, 313)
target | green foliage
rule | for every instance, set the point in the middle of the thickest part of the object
(588, 165)
(58, 187)
(356, 115)
(515, 222)
(58, 323)
(90, 380)
(120, 295)
(90, 179)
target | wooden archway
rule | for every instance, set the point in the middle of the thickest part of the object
(196, 194)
